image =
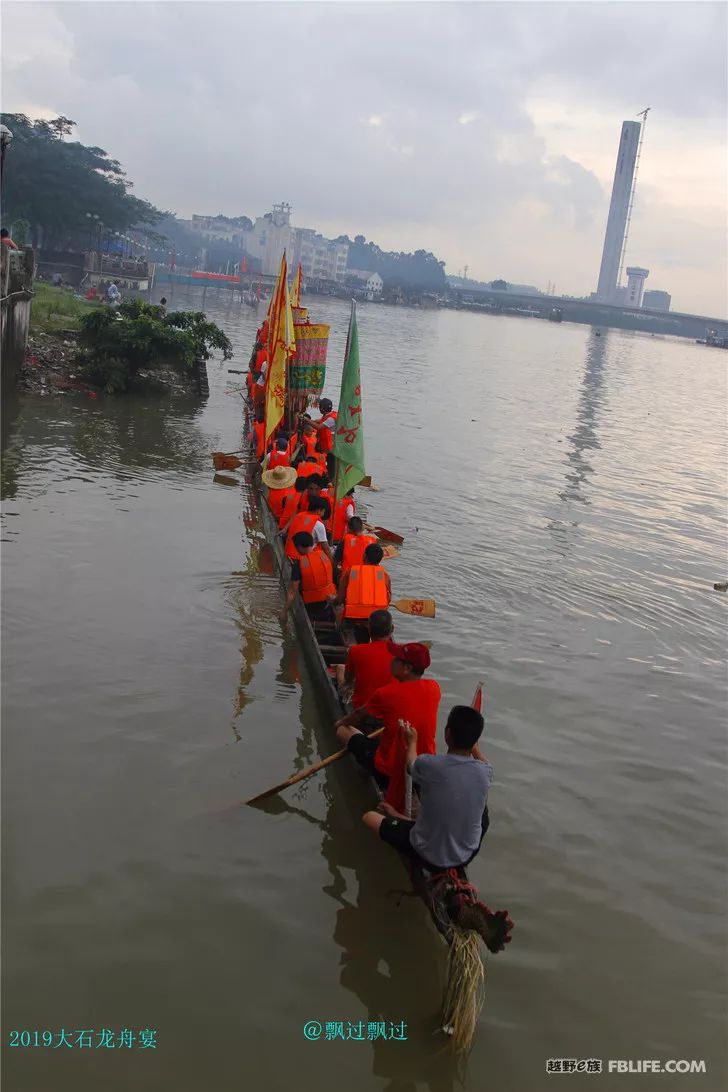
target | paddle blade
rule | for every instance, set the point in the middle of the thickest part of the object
(267, 793)
(424, 608)
(225, 462)
(388, 536)
(477, 702)
(223, 479)
(389, 552)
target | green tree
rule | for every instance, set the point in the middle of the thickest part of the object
(499, 286)
(53, 184)
(117, 345)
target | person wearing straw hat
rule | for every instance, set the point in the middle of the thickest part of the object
(281, 483)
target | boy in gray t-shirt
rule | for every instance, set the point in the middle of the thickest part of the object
(453, 816)
(453, 789)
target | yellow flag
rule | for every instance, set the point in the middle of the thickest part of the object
(296, 291)
(281, 345)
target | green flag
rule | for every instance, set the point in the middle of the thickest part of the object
(349, 432)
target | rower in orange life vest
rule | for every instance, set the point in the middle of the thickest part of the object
(325, 426)
(312, 574)
(343, 511)
(281, 486)
(311, 521)
(363, 589)
(257, 436)
(350, 550)
(278, 455)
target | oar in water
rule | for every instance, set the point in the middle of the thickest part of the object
(305, 773)
(226, 462)
(384, 534)
(240, 451)
(367, 483)
(425, 608)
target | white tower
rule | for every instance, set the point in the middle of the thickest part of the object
(636, 278)
(618, 211)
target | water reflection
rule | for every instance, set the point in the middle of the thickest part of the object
(584, 437)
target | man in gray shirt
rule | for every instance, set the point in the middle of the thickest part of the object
(453, 790)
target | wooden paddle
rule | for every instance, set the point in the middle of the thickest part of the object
(305, 773)
(240, 451)
(389, 552)
(384, 534)
(226, 462)
(425, 608)
(367, 483)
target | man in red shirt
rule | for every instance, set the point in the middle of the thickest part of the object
(408, 698)
(369, 666)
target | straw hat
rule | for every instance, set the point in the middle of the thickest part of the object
(280, 478)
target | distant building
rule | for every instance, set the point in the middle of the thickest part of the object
(618, 211)
(321, 259)
(216, 228)
(636, 277)
(655, 300)
(269, 237)
(374, 286)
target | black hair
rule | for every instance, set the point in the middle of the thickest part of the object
(4, 233)
(325, 480)
(373, 553)
(314, 479)
(301, 485)
(323, 403)
(281, 443)
(380, 623)
(163, 301)
(355, 524)
(302, 540)
(465, 725)
(320, 504)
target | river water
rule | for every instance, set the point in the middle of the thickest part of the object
(562, 497)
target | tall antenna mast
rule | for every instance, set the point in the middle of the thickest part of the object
(642, 115)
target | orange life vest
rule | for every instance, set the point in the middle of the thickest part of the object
(277, 499)
(326, 435)
(289, 507)
(260, 359)
(302, 521)
(305, 470)
(338, 517)
(278, 458)
(259, 432)
(366, 591)
(317, 578)
(309, 443)
(354, 547)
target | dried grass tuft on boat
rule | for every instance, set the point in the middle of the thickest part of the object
(465, 989)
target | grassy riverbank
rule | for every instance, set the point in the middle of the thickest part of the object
(56, 310)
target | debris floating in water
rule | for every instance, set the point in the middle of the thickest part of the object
(723, 586)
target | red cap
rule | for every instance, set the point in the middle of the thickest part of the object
(416, 655)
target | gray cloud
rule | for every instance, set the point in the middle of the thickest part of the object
(228, 107)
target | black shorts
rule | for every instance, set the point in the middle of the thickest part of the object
(364, 750)
(396, 832)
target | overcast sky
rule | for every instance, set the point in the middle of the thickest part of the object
(485, 132)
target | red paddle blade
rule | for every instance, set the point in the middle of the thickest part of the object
(477, 701)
